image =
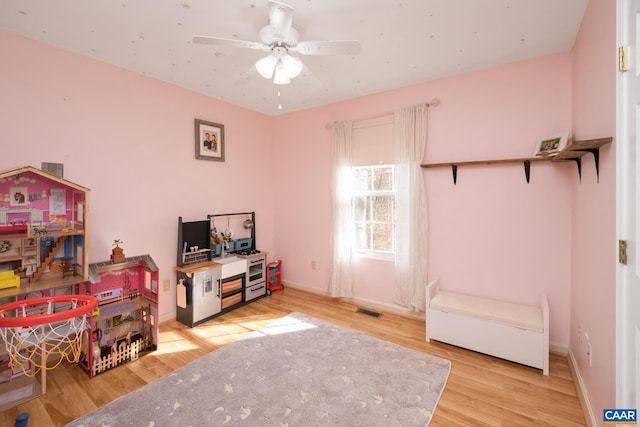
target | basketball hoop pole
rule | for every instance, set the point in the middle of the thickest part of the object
(43, 372)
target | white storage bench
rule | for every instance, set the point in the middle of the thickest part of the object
(515, 332)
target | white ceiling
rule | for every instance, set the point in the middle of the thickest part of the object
(403, 42)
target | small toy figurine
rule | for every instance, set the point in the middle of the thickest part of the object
(40, 231)
(117, 253)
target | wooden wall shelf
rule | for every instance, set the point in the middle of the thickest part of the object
(574, 151)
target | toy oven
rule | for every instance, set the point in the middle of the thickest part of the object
(255, 271)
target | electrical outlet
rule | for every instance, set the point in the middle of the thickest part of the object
(313, 265)
(166, 285)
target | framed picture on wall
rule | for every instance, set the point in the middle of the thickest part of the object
(209, 140)
(18, 196)
(551, 145)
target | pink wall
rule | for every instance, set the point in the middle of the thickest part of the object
(593, 249)
(130, 139)
(492, 234)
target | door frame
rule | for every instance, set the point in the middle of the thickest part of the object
(626, 225)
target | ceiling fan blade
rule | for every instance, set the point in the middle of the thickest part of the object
(218, 41)
(280, 19)
(336, 47)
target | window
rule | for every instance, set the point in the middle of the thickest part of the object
(374, 208)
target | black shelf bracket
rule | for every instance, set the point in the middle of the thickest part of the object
(454, 170)
(579, 165)
(596, 159)
(527, 170)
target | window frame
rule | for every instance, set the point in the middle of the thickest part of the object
(369, 252)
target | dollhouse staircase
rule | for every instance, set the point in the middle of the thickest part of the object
(47, 260)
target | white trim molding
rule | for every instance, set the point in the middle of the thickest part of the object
(583, 396)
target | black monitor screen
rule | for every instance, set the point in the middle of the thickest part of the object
(195, 233)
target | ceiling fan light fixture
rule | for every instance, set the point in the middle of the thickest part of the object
(292, 65)
(278, 38)
(266, 66)
(281, 77)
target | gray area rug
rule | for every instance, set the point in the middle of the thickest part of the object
(298, 371)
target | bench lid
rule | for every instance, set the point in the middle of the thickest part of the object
(523, 316)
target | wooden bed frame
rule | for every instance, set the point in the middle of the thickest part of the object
(514, 332)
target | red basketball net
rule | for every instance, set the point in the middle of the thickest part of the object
(30, 347)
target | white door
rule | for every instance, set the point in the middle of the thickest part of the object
(628, 207)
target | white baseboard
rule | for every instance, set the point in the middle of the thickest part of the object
(168, 316)
(302, 287)
(391, 308)
(555, 347)
(583, 396)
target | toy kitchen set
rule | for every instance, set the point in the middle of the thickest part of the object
(218, 266)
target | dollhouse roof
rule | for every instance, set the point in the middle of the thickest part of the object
(36, 171)
(101, 267)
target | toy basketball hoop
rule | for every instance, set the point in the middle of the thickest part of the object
(37, 331)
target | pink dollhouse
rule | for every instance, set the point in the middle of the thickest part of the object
(125, 324)
(43, 219)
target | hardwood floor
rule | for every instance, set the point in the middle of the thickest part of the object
(481, 390)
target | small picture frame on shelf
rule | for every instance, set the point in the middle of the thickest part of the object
(551, 145)
(209, 140)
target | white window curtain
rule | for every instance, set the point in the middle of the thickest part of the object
(411, 208)
(341, 284)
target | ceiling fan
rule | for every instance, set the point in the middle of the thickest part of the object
(279, 38)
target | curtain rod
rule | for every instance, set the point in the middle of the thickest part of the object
(433, 103)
